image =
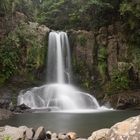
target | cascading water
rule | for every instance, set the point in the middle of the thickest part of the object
(58, 94)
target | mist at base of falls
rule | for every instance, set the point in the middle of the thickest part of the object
(59, 94)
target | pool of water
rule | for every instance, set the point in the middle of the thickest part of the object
(81, 123)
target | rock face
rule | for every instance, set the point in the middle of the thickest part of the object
(98, 55)
(82, 43)
(130, 99)
(112, 55)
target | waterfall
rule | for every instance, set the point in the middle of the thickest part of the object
(59, 67)
(59, 93)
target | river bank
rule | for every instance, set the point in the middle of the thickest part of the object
(5, 114)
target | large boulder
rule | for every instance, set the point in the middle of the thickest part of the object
(40, 134)
(29, 132)
(12, 132)
(99, 135)
(125, 130)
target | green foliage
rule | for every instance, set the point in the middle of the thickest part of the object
(75, 13)
(119, 81)
(82, 74)
(82, 40)
(102, 62)
(21, 52)
(9, 57)
(134, 56)
(130, 11)
(7, 138)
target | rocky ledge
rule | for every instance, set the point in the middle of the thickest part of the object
(126, 130)
(124, 100)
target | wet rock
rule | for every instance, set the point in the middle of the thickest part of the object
(29, 132)
(23, 107)
(40, 134)
(125, 130)
(62, 136)
(124, 100)
(99, 135)
(72, 135)
(49, 134)
(20, 108)
(54, 135)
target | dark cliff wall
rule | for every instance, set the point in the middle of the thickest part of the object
(104, 61)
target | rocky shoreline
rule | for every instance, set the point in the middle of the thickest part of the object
(126, 130)
(5, 114)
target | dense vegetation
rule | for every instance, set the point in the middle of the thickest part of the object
(64, 15)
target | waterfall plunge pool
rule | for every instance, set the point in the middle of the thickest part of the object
(81, 123)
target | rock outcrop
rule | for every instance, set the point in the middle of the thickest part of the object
(124, 100)
(126, 130)
(104, 61)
